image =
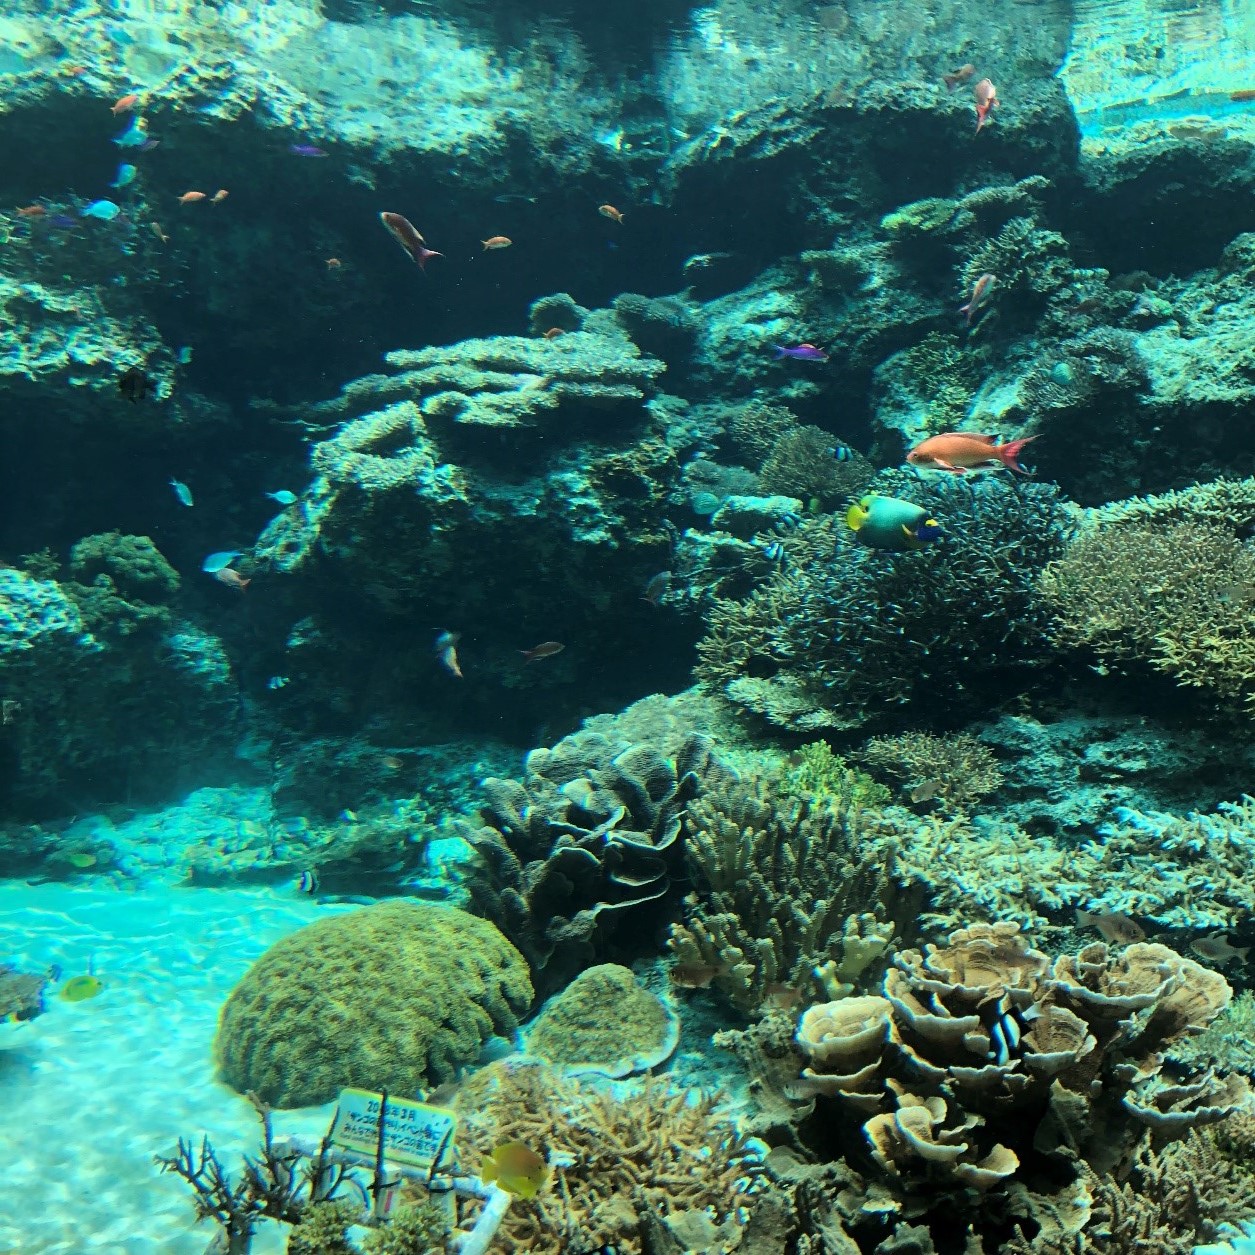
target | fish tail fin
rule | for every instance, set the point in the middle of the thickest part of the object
(1010, 453)
(855, 517)
(488, 1171)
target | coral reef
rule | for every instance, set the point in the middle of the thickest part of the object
(957, 770)
(588, 839)
(982, 1056)
(801, 464)
(796, 894)
(1174, 596)
(649, 1148)
(21, 994)
(398, 996)
(842, 634)
(604, 1021)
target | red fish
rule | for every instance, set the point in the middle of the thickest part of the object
(959, 451)
(982, 290)
(405, 234)
(986, 98)
(546, 649)
(125, 104)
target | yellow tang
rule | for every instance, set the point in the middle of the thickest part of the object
(80, 988)
(516, 1168)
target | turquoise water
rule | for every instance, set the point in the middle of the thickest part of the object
(663, 592)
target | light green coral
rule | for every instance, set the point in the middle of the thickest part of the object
(606, 1022)
(399, 996)
(825, 776)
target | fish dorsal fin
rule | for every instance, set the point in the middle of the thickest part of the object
(984, 439)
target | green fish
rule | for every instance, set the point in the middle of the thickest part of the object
(80, 988)
(891, 523)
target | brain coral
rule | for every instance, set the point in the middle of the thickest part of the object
(398, 996)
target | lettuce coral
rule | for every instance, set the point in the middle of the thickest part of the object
(398, 996)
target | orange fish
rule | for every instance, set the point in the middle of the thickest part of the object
(546, 649)
(958, 451)
(232, 579)
(74, 71)
(32, 211)
(609, 211)
(955, 77)
(190, 198)
(410, 239)
(219, 196)
(334, 263)
(496, 241)
(447, 652)
(553, 333)
(125, 104)
(986, 98)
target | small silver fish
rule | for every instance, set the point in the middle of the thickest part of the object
(1217, 948)
(446, 648)
(1114, 926)
(656, 588)
(183, 492)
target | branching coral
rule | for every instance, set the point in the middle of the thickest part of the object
(1174, 596)
(955, 769)
(651, 1148)
(801, 464)
(788, 891)
(983, 1055)
(589, 836)
(844, 632)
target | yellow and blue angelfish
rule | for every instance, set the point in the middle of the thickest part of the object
(891, 523)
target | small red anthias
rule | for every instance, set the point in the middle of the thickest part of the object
(407, 236)
(986, 96)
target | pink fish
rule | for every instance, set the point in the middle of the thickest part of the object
(232, 579)
(986, 98)
(803, 352)
(982, 290)
(405, 234)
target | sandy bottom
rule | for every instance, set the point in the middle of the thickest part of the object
(90, 1091)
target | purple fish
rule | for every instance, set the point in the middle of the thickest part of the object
(803, 352)
(306, 150)
(63, 222)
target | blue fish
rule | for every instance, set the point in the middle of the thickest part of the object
(789, 520)
(773, 550)
(283, 497)
(105, 210)
(135, 135)
(126, 174)
(184, 356)
(217, 561)
(841, 452)
(183, 492)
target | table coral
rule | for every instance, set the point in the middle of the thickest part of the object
(647, 1147)
(604, 1021)
(399, 996)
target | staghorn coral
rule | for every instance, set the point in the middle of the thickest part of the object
(842, 633)
(646, 1148)
(1173, 596)
(959, 768)
(398, 996)
(788, 891)
(1227, 503)
(589, 836)
(983, 1056)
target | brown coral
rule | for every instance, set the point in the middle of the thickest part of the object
(658, 1149)
(958, 769)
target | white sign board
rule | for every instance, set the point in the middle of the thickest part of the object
(414, 1133)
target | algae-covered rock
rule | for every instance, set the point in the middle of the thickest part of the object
(399, 996)
(604, 1021)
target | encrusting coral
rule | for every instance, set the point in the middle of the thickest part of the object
(604, 1021)
(398, 996)
(983, 1055)
(789, 893)
(647, 1149)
